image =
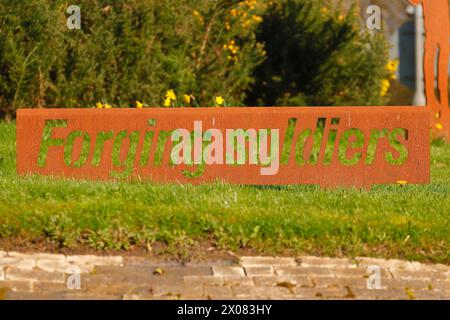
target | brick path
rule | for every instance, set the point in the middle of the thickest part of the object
(49, 276)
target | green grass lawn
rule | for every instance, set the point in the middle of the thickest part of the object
(411, 222)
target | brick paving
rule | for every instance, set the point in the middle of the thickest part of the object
(55, 276)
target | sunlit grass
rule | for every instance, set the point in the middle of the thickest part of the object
(389, 221)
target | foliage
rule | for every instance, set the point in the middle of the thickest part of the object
(126, 51)
(318, 54)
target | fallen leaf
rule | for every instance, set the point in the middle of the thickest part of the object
(159, 271)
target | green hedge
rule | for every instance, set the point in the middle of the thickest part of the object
(139, 49)
(125, 51)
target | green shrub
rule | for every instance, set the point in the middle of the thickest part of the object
(319, 55)
(126, 51)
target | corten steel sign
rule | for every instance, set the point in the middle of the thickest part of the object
(337, 146)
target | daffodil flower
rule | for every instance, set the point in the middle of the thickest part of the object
(171, 95)
(220, 100)
(385, 86)
(187, 98)
(167, 102)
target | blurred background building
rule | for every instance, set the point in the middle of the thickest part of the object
(399, 25)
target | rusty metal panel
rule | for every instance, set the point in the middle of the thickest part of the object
(437, 30)
(339, 146)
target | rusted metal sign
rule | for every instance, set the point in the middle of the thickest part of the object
(358, 146)
(437, 29)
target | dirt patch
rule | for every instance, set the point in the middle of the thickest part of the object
(201, 251)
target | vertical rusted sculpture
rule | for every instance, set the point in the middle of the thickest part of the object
(437, 28)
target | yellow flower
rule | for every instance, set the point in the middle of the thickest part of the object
(167, 102)
(257, 19)
(439, 126)
(198, 15)
(107, 106)
(341, 18)
(139, 105)
(187, 98)
(99, 105)
(231, 47)
(171, 95)
(402, 183)
(385, 85)
(247, 24)
(392, 66)
(220, 100)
